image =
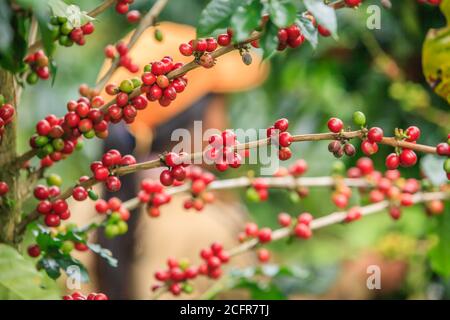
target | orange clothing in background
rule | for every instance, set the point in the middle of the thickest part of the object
(230, 74)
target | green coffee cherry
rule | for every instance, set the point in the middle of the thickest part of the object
(58, 144)
(158, 35)
(55, 32)
(80, 145)
(447, 165)
(294, 197)
(2, 100)
(65, 41)
(54, 180)
(92, 195)
(32, 78)
(187, 288)
(136, 82)
(184, 264)
(148, 68)
(111, 231)
(115, 217)
(67, 247)
(65, 28)
(41, 141)
(126, 86)
(359, 118)
(252, 195)
(54, 20)
(122, 227)
(62, 20)
(47, 149)
(338, 167)
(90, 134)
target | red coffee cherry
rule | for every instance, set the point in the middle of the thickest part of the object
(186, 49)
(263, 255)
(41, 192)
(113, 184)
(413, 133)
(305, 218)
(79, 193)
(224, 40)
(408, 158)
(281, 124)
(133, 16)
(265, 235)
(353, 3)
(4, 188)
(375, 134)
(335, 125)
(392, 161)
(52, 220)
(251, 229)
(369, 148)
(324, 32)
(34, 251)
(302, 231)
(443, 149)
(284, 219)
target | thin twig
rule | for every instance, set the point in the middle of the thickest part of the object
(318, 223)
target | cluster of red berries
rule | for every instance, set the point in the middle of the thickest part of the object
(54, 211)
(52, 140)
(252, 230)
(369, 146)
(279, 136)
(176, 276)
(221, 151)
(66, 34)
(102, 170)
(91, 296)
(153, 195)
(443, 149)
(38, 64)
(156, 84)
(258, 191)
(125, 108)
(179, 272)
(4, 188)
(290, 37)
(200, 180)
(405, 157)
(124, 58)
(7, 112)
(118, 215)
(176, 172)
(199, 46)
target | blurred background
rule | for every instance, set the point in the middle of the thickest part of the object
(378, 72)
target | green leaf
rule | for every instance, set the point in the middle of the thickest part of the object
(51, 267)
(269, 40)
(325, 15)
(246, 19)
(19, 278)
(104, 253)
(440, 254)
(216, 15)
(308, 30)
(67, 261)
(282, 12)
(46, 241)
(12, 55)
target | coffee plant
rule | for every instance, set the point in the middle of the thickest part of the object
(37, 29)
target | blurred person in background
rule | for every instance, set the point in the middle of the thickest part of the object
(149, 241)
